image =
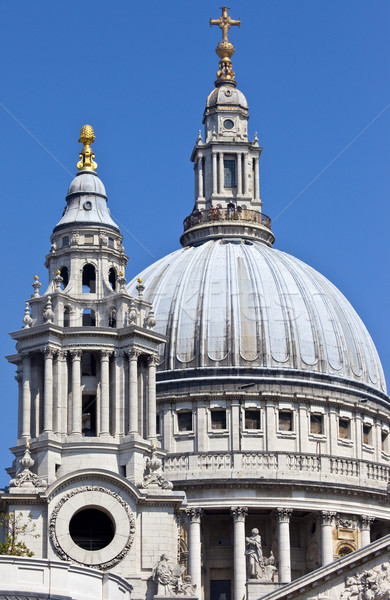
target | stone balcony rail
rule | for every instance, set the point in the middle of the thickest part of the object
(211, 215)
(276, 465)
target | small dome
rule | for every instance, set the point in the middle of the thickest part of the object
(226, 94)
(87, 181)
(234, 305)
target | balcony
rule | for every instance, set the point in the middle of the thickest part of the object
(214, 215)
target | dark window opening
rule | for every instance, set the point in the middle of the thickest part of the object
(65, 241)
(384, 438)
(123, 470)
(112, 278)
(344, 550)
(184, 421)
(218, 419)
(91, 529)
(229, 166)
(65, 277)
(88, 364)
(158, 425)
(88, 417)
(285, 420)
(344, 432)
(112, 318)
(89, 319)
(89, 279)
(367, 434)
(252, 419)
(316, 424)
(66, 316)
(110, 242)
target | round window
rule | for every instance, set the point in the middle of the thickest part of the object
(87, 205)
(91, 529)
(228, 124)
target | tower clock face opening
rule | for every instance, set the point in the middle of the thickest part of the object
(91, 529)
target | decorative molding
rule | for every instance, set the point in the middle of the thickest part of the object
(284, 514)
(155, 478)
(80, 490)
(239, 513)
(327, 517)
(194, 514)
(366, 522)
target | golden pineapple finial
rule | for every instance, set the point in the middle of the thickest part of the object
(87, 137)
(225, 49)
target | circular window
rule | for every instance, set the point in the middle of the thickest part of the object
(91, 529)
(87, 205)
(228, 124)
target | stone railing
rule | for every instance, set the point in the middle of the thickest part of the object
(212, 215)
(286, 465)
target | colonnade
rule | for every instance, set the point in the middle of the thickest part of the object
(283, 515)
(55, 391)
(218, 175)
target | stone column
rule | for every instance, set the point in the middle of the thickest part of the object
(19, 379)
(239, 514)
(245, 174)
(62, 393)
(215, 180)
(221, 185)
(327, 519)
(105, 392)
(365, 528)
(26, 402)
(133, 391)
(152, 409)
(257, 180)
(48, 390)
(194, 559)
(118, 375)
(284, 515)
(76, 392)
(239, 173)
(200, 176)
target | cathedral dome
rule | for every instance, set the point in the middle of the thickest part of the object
(233, 304)
(226, 95)
(87, 181)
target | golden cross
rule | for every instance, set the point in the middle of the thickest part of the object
(225, 22)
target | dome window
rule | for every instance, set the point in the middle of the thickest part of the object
(112, 317)
(285, 420)
(385, 441)
(228, 124)
(344, 429)
(91, 529)
(367, 429)
(88, 416)
(112, 278)
(67, 316)
(218, 419)
(89, 319)
(229, 167)
(65, 241)
(316, 424)
(89, 279)
(110, 242)
(184, 421)
(252, 419)
(65, 277)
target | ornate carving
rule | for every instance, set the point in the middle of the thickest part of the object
(194, 514)
(48, 313)
(133, 354)
(366, 522)
(49, 351)
(155, 478)
(373, 584)
(345, 523)
(239, 512)
(26, 478)
(150, 322)
(258, 566)
(76, 354)
(80, 490)
(169, 579)
(284, 514)
(105, 354)
(27, 320)
(327, 517)
(36, 285)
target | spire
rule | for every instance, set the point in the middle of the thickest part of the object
(87, 137)
(225, 49)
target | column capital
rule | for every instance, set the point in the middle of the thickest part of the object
(25, 354)
(153, 360)
(366, 522)
(239, 513)
(76, 354)
(105, 354)
(194, 514)
(133, 353)
(284, 514)
(49, 351)
(62, 354)
(327, 517)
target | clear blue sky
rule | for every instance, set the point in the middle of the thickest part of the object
(315, 74)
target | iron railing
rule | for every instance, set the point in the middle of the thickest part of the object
(197, 217)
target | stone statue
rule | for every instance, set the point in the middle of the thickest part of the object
(167, 577)
(187, 587)
(373, 584)
(254, 555)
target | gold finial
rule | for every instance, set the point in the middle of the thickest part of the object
(139, 280)
(36, 277)
(87, 137)
(225, 49)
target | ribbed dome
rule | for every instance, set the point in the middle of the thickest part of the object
(225, 95)
(87, 181)
(236, 304)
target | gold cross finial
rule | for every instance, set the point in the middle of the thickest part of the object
(225, 49)
(225, 22)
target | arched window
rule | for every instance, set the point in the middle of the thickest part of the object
(89, 319)
(89, 279)
(67, 316)
(112, 278)
(112, 317)
(65, 277)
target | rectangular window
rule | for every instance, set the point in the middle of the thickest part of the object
(252, 419)
(88, 417)
(65, 241)
(158, 425)
(218, 419)
(344, 429)
(88, 238)
(110, 242)
(316, 424)
(229, 166)
(285, 420)
(367, 434)
(385, 441)
(184, 421)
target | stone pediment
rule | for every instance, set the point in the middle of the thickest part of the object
(362, 574)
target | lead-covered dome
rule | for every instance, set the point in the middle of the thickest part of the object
(246, 305)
